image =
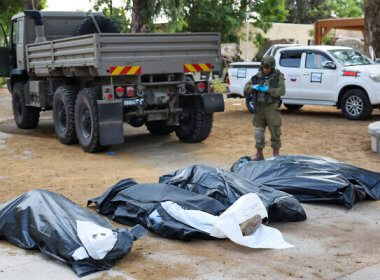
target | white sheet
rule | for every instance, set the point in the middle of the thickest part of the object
(227, 225)
(97, 240)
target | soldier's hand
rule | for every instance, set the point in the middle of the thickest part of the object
(256, 87)
(264, 88)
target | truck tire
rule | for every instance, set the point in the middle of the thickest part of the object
(25, 117)
(293, 107)
(159, 128)
(105, 25)
(87, 121)
(64, 114)
(355, 105)
(195, 125)
(249, 104)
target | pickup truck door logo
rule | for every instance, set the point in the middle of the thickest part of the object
(316, 78)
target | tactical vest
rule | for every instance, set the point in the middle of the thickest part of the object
(259, 79)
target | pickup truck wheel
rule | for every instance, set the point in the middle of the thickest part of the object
(159, 128)
(293, 107)
(355, 105)
(63, 114)
(25, 117)
(87, 121)
(194, 125)
(249, 103)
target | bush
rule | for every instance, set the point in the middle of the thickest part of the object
(218, 86)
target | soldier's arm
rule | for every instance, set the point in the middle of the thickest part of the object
(280, 90)
(248, 87)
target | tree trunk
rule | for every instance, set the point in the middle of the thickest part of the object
(138, 23)
(372, 25)
(28, 4)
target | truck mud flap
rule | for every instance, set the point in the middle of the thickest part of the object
(213, 102)
(110, 122)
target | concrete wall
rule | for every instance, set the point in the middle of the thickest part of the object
(299, 33)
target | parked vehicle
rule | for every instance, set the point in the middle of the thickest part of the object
(240, 72)
(329, 76)
(94, 79)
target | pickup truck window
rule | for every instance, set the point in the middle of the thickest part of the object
(350, 57)
(291, 59)
(315, 60)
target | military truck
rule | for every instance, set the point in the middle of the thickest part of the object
(94, 79)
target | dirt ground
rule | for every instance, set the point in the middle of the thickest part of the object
(332, 243)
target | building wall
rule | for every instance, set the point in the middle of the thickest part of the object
(299, 33)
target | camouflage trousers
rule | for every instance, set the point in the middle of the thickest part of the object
(267, 115)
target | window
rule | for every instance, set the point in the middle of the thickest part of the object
(291, 59)
(20, 31)
(315, 60)
(13, 32)
(350, 57)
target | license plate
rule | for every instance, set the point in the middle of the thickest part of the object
(133, 102)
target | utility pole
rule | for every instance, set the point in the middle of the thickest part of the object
(246, 35)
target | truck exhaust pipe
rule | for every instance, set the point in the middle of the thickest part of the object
(39, 25)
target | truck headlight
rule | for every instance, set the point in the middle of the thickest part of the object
(375, 76)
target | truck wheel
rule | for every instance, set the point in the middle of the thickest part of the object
(355, 105)
(63, 114)
(293, 107)
(249, 104)
(87, 121)
(195, 125)
(159, 128)
(105, 25)
(25, 117)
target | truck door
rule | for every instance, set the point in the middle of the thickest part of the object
(4, 54)
(290, 65)
(318, 83)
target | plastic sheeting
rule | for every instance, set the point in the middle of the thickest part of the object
(227, 225)
(227, 187)
(47, 221)
(130, 203)
(312, 179)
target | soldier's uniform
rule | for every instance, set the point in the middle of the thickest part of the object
(267, 111)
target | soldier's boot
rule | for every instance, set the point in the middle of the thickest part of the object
(276, 152)
(259, 155)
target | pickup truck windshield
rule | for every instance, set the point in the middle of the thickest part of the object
(350, 57)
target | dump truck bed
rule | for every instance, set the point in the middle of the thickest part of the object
(155, 53)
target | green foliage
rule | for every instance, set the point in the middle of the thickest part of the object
(117, 14)
(219, 87)
(228, 16)
(224, 16)
(346, 8)
(308, 11)
(9, 8)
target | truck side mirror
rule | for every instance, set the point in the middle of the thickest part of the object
(329, 65)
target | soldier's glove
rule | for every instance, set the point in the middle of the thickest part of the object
(256, 87)
(264, 89)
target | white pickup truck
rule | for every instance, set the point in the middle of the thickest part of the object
(320, 75)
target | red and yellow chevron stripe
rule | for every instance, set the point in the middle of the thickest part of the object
(201, 67)
(125, 70)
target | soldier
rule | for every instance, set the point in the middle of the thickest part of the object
(266, 88)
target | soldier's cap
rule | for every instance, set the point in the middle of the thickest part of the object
(268, 61)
